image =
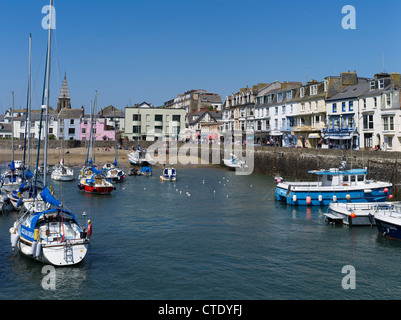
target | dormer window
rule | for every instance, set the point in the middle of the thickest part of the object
(289, 95)
(313, 90)
(280, 97)
(372, 85)
(381, 84)
(326, 84)
(302, 92)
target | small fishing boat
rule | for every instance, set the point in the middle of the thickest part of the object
(169, 174)
(141, 157)
(234, 162)
(354, 214)
(145, 171)
(333, 185)
(62, 173)
(52, 236)
(388, 220)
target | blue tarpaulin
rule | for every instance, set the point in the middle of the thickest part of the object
(48, 197)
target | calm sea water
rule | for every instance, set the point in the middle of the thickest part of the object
(210, 235)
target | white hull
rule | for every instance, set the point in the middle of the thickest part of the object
(234, 165)
(355, 214)
(61, 177)
(63, 254)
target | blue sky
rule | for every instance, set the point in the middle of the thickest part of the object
(134, 51)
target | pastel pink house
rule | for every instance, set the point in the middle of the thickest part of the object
(101, 130)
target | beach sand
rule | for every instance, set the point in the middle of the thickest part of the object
(77, 157)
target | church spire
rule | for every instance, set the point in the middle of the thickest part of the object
(64, 100)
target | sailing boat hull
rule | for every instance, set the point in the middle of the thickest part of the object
(95, 189)
(62, 254)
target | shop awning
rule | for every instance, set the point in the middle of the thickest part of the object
(314, 136)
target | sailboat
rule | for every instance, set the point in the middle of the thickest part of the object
(62, 173)
(92, 180)
(111, 170)
(13, 176)
(50, 235)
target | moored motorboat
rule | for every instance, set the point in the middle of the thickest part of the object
(388, 220)
(333, 185)
(169, 174)
(234, 162)
(354, 214)
(141, 157)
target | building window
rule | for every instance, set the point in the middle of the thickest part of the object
(136, 117)
(388, 99)
(351, 106)
(381, 84)
(313, 90)
(280, 97)
(83, 130)
(375, 102)
(388, 123)
(283, 109)
(71, 130)
(275, 110)
(71, 121)
(364, 103)
(158, 117)
(50, 130)
(372, 85)
(176, 117)
(368, 122)
(136, 129)
(289, 95)
(343, 107)
(326, 84)
(334, 107)
(302, 92)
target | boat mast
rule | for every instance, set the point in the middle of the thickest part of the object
(47, 91)
(29, 99)
(12, 126)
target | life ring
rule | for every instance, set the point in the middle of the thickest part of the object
(346, 185)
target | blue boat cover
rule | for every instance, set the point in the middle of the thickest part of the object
(28, 174)
(48, 197)
(12, 166)
(146, 169)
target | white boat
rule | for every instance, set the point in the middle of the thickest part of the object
(333, 185)
(354, 214)
(62, 173)
(18, 164)
(388, 220)
(234, 162)
(11, 179)
(169, 174)
(140, 157)
(112, 172)
(52, 236)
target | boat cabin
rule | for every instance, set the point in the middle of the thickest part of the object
(336, 177)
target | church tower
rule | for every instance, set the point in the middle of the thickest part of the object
(64, 100)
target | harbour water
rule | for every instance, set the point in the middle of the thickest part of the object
(211, 235)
